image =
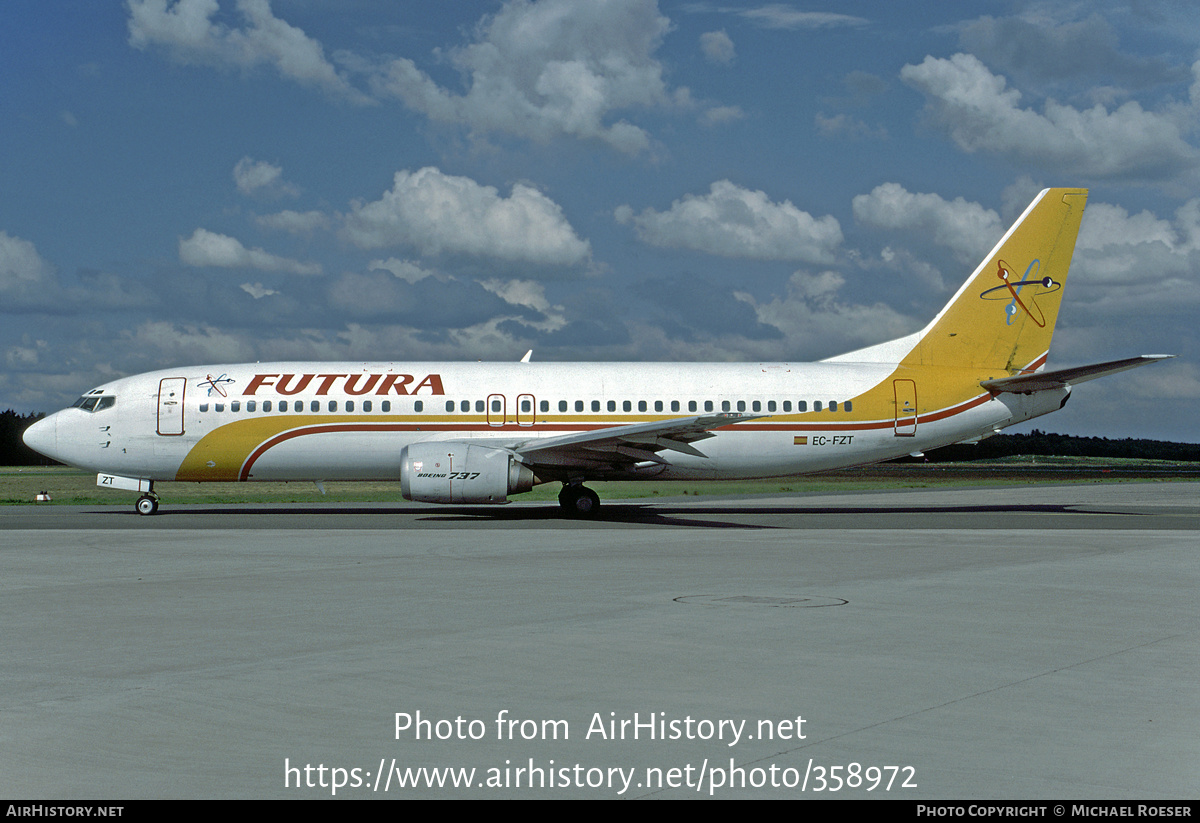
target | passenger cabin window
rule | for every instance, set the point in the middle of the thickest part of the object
(203, 407)
(251, 406)
(349, 405)
(595, 405)
(449, 405)
(847, 406)
(419, 406)
(267, 405)
(315, 406)
(367, 405)
(235, 405)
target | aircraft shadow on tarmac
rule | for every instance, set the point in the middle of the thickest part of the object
(713, 515)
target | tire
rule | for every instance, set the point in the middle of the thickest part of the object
(579, 501)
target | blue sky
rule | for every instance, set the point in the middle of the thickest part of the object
(235, 180)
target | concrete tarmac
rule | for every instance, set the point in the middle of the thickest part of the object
(1001, 643)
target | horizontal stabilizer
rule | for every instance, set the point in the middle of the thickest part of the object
(1057, 379)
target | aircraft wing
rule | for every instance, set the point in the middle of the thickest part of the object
(1057, 379)
(635, 443)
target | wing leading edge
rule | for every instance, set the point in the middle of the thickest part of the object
(636, 443)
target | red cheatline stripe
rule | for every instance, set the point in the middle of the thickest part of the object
(266, 445)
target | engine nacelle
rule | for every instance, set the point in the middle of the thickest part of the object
(448, 472)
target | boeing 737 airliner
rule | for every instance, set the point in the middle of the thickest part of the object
(479, 432)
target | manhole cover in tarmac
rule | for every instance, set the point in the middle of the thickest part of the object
(792, 602)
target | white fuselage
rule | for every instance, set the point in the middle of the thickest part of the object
(350, 421)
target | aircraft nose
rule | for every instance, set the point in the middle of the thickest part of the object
(42, 436)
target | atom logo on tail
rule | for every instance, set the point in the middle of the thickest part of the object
(1035, 286)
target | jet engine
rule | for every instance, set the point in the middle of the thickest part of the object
(448, 472)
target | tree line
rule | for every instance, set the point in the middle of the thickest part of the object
(14, 452)
(1062, 445)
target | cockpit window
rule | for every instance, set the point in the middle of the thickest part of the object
(93, 402)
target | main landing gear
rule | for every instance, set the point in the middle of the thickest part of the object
(147, 503)
(578, 501)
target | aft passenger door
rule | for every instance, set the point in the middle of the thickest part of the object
(906, 407)
(170, 405)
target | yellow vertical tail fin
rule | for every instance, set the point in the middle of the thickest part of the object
(1003, 317)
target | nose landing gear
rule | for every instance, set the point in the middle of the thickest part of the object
(147, 504)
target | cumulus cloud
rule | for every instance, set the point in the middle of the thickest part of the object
(406, 270)
(717, 115)
(439, 213)
(732, 221)
(1138, 264)
(528, 294)
(432, 304)
(258, 177)
(21, 266)
(257, 290)
(843, 125)
(779, 16)
(185, 343)
(967, 229)
(814, 319)
(1034, 45)
(557, 67)
(980, 113)
(205, 248)
(187, 31)
(717, 47)
(692, 307)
